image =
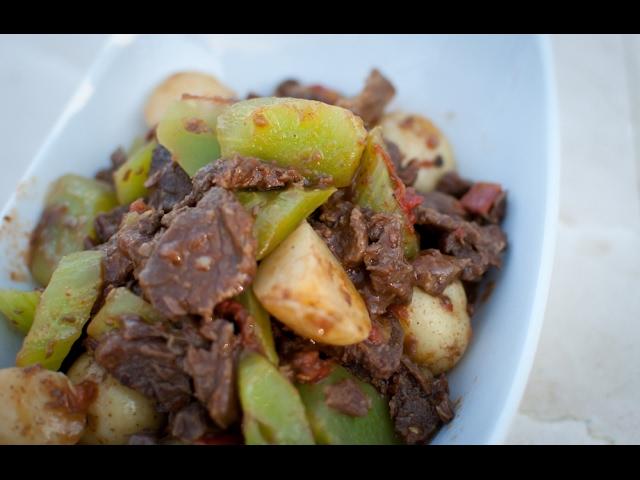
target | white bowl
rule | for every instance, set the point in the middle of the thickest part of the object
(492, 95)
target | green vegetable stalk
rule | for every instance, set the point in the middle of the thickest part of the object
(187, 130)
(130, 177)
(315, 138)
(19, 308)
(121, 301)
(273, 411)
(377, 189)
(261, 324)
(63, 310)
(280, 212)
(332, 427)
(71, 205)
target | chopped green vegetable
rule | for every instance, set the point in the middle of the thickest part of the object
(261, 325)
(280, 213)
(273, 411)
(71, 206)
(375, 188)
(187, 130)
(19, 308)
(332, 427)
(63, 310)
(131, 175)
(121, 301)
(316, 138)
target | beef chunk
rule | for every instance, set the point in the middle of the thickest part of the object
(189, 423)
(452, 184)
(481, 245)
(168, 183)
(407, 173)
(390, 275)
(371, 102)
(213, 372)
(107, 224)
(435, 271)
(347, 397)
(117, 159)
(207, 255)
(418, 404)
(444, 203)
(293, 89)
(481, 199)
(307, 366)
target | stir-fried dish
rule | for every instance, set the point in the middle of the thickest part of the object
(293, 269)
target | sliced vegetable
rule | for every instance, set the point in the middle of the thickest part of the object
(63, 310)
(71, 206)
(422, 143)
(313, 137)
(332, 427)
(173, 87)
(121, 301)
(117, 411)
(261, 325)
(187, 130)
(273, 411)
(131, 175)
(304, 286)
(378, 188)
(19, 308)
(438, 329)
(280, 213)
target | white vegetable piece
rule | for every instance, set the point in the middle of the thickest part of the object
(304, 286)
(438, 331)
(117, 411)
(173, 87)
(38, 407)
(421, 141)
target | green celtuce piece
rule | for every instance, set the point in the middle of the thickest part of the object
(187, 130)
(332, 427)
(71, 206)
(375, 188)
(19, 308)
(316, 138)
(130, 177)
(121, 301)
(260, 325)
(64, 308)
(280, 213)
(272, 409)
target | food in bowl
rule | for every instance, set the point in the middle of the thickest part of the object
(294, 269)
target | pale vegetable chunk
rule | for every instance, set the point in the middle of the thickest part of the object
(173, 87)
(438, 329)
(304, 286)
(39, 407)
(117, 412)
(420, 141)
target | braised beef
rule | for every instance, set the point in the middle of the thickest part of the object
(444, 203)
(107, 224)
(117, 159)
(167, 182)
(407, 173)
(293, 89)
(206, 255)
(189, 423)
(481, 198)
(452, 184)
(347, 397)
(371, 102)
(435, 271)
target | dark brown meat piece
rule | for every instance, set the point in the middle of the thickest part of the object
(418, 405)
(307, 366)
(409, 173)
(435, 271)
(189, 423)
(147, 358)
(168, 183)
(347, 397)
(293, 89)
(117, 159)
(444, 203)
(482, 245)
(452, 184)
(213, 372)
(390, 275)
(481, 197)
(371, 102)
(107, 224)
(208, 254)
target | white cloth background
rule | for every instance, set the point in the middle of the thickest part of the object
(585, 383)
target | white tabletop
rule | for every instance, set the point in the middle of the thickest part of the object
(585, 382)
